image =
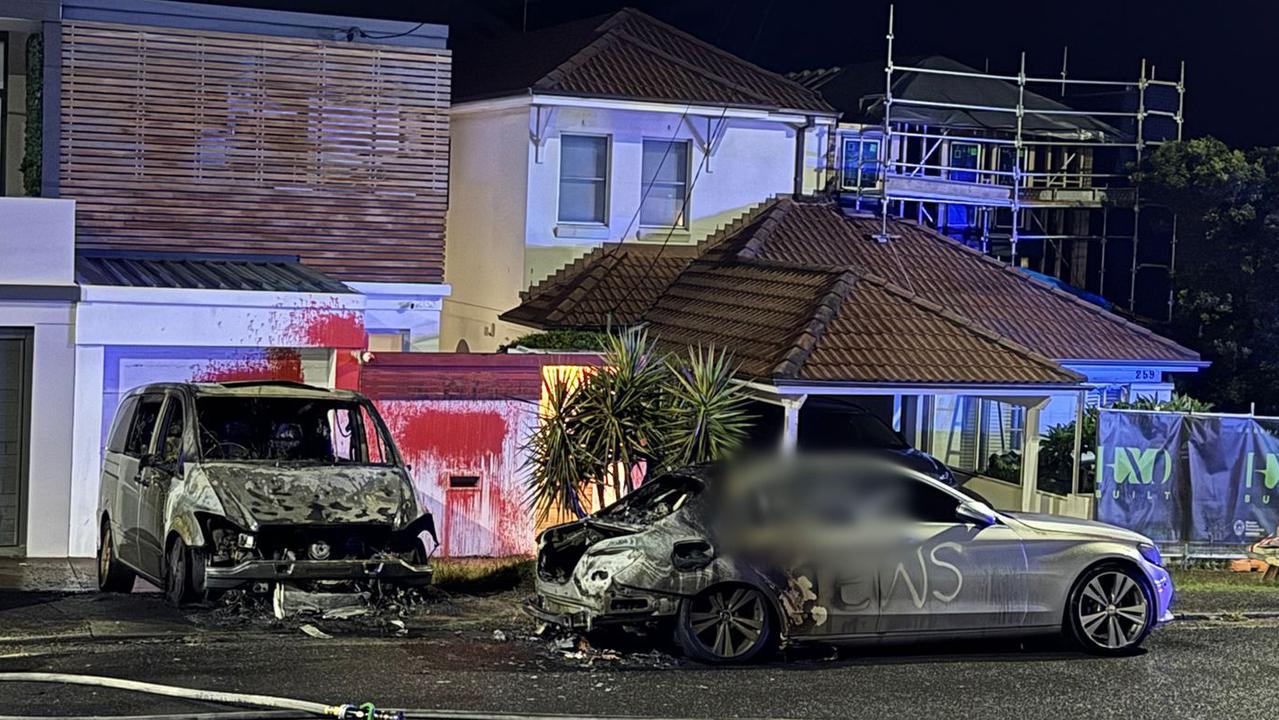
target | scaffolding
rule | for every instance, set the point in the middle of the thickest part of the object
(1031, 178)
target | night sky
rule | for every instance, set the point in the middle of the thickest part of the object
(1231, 47)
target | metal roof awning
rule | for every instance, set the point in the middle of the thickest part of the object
(202, 271)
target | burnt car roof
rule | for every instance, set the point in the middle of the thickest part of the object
(253, 388)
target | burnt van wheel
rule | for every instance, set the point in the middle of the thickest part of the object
(726, 624)
(177, 574)
(113, 576)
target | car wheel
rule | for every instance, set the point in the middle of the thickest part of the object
(113, 576)
(177, 574)
(1111, 610)
(725, 624)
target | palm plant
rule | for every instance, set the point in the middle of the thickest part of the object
(705, 416)
(640, 410)
(618, 408)
(556, 459)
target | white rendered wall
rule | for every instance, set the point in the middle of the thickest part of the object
(753, 160)
(52, 419)
(37, 241)
(484, 249)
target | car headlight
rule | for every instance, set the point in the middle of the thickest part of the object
(1151, 553)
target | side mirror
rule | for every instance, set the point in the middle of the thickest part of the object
(978, 513)
(145, 460)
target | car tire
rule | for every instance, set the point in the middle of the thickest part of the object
(726, 624)
(1111, 609)
(113, 576)
(178, 590)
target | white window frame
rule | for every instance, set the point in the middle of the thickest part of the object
(607, 179)
(688, 183)
(860, 139)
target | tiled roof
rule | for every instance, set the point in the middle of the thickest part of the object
(798, 291)
(202, 272)
(793, 323)
(992, 294)
(627, 55)
(611, 286)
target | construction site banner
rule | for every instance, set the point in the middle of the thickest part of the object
(1141, 483)
(1234, 478)
(1176, 477)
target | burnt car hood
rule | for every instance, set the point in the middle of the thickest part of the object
(257, 495)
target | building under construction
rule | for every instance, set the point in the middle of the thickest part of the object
(1032, 170)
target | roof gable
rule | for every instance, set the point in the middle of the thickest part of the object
(627, 55)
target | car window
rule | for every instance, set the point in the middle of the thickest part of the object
(288, 429)
(143, 426)
(925, 503)
(378, 452)
(123, 422)
(171, 439)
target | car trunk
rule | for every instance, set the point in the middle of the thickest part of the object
(563, 546)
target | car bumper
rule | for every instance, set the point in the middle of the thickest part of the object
(224, 578)
(562, 605)
(1161, 583)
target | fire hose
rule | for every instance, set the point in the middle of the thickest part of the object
(276, 708)
(367, 711)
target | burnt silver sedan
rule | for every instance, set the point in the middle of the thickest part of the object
(842, 550)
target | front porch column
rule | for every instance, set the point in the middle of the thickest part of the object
(790, 421)
(1030, 456)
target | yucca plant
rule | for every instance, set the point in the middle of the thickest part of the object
(640, 410)
(705, 415)
(618, 408)
(558, 463)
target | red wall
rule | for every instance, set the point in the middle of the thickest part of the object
(464, 414)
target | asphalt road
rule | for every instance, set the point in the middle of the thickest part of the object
(1190, 670)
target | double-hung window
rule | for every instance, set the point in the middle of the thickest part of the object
(583, 179)
(664, 187)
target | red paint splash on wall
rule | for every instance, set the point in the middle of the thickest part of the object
(274, 364)
(335, 329)
(320, 326)
(442, 439)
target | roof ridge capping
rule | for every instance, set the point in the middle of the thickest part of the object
(726, 55)
(825, 310)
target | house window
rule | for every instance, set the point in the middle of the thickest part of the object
(861, 163)
(665, 184)
(966, 156)
(583, 179)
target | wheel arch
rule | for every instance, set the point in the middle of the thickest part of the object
(1109, 560)
(771, 599)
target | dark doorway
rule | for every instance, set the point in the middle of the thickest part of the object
(15, 393)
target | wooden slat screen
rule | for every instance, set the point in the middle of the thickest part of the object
(177, 140)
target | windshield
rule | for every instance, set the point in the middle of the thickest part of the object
(291, 430)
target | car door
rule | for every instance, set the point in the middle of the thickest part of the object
(835, 593)
(137, 451)
(155, 481)
(946, 573)
(114, 460)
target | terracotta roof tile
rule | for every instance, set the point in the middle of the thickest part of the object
(788, 323)
(628, 55)
(939, 270)
(611, 286)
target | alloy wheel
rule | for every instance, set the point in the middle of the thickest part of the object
(728, 622)
(1112, 610)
